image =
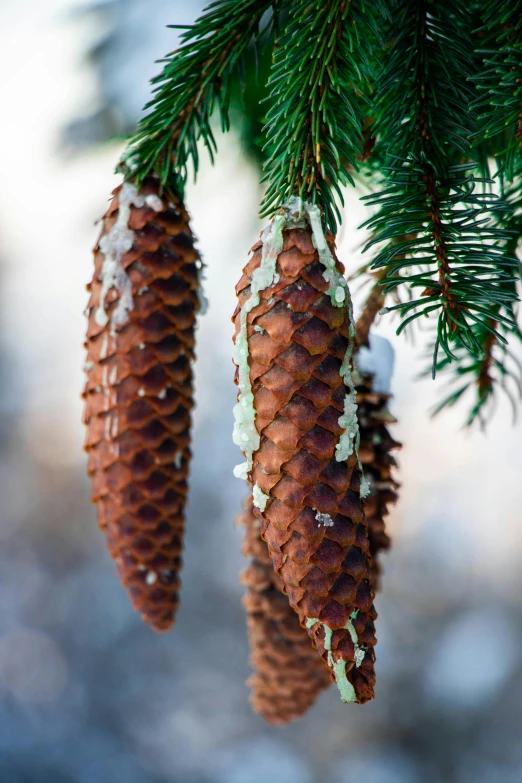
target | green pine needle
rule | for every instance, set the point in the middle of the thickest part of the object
(499, 80)
(434, 225)
(319, 82)
(498, 366)
(196, 81)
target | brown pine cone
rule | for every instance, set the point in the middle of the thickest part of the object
(289, 675)
(378, 462)
(138, 394)
(308, 501)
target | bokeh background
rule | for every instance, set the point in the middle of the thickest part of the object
(88, 694)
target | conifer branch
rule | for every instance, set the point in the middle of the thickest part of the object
(319, 80)
(423, 123)
(195, 80)
(499, 81)
(424, 127)
(497, 366)
(371, 308)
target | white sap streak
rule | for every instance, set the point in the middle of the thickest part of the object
(259, 498)
(114, 245)
(245, 434)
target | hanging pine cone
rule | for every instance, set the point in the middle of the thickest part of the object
(296, 423)
(289, 675)
(373, 396)
(138, 394)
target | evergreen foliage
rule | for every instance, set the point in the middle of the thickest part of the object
(434, 221)
(498, 154)
(422, 98)
(497, 365)
(196, 80)
(499, 81)
(320, 76)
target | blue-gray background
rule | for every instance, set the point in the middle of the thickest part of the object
(88, 694)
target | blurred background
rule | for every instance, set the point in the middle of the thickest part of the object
(88, 694)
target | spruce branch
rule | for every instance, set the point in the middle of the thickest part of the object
(319, 81)
(497, 367)
(196, 79)
(371, 308)
(454, 251)
(499, 80)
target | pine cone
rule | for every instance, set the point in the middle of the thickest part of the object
(308, 502)
(377, 460)
(289, 675)
(138, 394)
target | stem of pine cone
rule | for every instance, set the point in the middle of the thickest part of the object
(372, 306)
(485, 381)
